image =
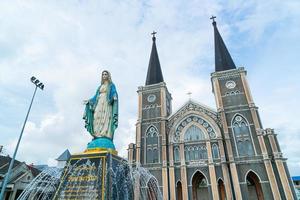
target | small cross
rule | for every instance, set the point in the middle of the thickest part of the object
(213, 18)
(153, 33)
(190, 94)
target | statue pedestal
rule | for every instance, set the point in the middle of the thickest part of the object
(102, 142)
(96, 174)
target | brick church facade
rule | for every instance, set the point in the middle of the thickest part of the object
(203, 153)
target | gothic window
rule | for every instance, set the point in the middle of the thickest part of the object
(191, 152)
(196, 153)
(155, 155)
(231, 93)
(152, 135)
(187, 154)
(242, 136)
(149, 155)
(249, 147)
(152, 145)
(194, 133)
(203, 152)
(215, 151)
(176, 154)
(240, 147)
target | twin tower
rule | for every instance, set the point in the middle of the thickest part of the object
(202, 153)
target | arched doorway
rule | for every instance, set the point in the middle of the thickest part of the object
(199, 187)
(179, 191)
(221, 189)
(254, 187)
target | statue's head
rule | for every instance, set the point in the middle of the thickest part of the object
(105, 76)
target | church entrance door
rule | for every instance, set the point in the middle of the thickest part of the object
(199, 187)
(254, 187)
(179, 191)
(221, 189)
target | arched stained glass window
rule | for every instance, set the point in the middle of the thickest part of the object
(176, 154)
(194, 133)
(152, 135)
(215, 151)
(152, 145)
(242, 136)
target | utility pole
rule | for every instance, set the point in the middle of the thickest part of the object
(37, 84)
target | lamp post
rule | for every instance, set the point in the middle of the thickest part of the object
(37, 84)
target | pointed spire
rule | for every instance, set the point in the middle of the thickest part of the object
(223, 60)
(154, 74)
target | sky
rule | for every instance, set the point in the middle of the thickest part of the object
(66, 45)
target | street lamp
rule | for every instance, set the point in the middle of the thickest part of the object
(37, 84)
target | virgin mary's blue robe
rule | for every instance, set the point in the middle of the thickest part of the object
(112, 98)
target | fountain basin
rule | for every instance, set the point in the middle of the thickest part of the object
(95, 175)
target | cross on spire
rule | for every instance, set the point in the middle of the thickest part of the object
(153, 35)
(189, 94)
(213, 18)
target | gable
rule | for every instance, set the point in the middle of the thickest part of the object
(18, 172)
(192, 106)
(196, 114)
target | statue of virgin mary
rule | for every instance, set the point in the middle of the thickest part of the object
(101, 114)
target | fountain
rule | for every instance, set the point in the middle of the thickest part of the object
(84, 180)
(98, 172)
(42, 186)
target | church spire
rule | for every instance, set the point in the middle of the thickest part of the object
(154, 74)
(223, 60)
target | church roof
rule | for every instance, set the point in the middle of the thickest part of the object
(192, 105)
(154, 74)
(4, 164)
(65, 156)
(16, 174)
(223, 60)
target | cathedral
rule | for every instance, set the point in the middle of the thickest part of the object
(203, 153)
